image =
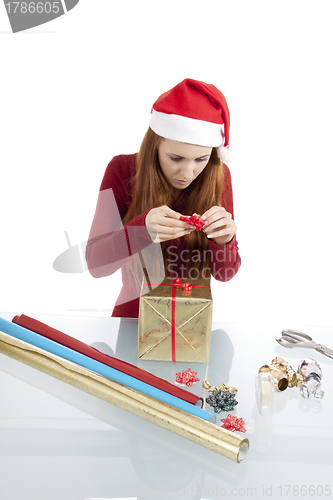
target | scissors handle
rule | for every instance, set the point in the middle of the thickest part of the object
(296, 335)
(289, 341)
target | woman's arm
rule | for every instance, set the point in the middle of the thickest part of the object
(225, 259)
(111, 245)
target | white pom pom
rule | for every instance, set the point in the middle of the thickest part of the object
(227, 154)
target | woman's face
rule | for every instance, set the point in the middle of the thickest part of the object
(181, 163)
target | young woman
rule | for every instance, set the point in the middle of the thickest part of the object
(178, 171)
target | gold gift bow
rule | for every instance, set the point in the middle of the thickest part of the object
(182, 423)
(223, 387)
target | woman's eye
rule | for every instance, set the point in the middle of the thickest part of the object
(201, 159)
(175, 158)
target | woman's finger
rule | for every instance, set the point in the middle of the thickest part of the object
(173, 223)
(225, 231)
(165, 216)
(211, 211)
(167, 212)
(214, 214)
(162, 236)
(217, 224)
(167, 225)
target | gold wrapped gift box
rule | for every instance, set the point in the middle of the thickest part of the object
(175, 322)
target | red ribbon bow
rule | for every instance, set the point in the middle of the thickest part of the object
(193, 220)
(187, 288)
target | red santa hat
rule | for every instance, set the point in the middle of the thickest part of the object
(196, 113)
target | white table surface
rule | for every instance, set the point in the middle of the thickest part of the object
(57, 442)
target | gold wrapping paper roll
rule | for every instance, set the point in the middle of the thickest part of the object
(193, 428)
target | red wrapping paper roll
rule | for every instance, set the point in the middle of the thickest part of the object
(132, 370)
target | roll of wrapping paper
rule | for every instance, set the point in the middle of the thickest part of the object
(195, 429)
(64, 352)
(134, 371)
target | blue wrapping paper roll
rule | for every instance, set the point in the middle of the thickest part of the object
(106, 371)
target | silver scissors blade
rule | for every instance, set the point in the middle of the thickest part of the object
(324, 350)
(295, 338)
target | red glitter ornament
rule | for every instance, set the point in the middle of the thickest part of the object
(193, 220)
(232, 423)
(187, 377)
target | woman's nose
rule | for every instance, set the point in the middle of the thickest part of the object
(188, 169)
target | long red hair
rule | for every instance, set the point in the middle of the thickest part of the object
(151, 189)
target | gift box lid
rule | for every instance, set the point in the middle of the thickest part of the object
(184, 288)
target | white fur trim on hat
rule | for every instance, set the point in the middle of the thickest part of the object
(183, 129)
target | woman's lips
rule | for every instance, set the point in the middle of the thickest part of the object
(183, 183)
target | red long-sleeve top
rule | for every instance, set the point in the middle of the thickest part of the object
(111, 245)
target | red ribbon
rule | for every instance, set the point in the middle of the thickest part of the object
(186, 287)
(173, 314)
(187, 290)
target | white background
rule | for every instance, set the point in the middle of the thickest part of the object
(78, 90)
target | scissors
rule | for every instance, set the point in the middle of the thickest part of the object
(294, 338)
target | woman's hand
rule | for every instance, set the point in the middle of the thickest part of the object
(163, 224)
(219, 226)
